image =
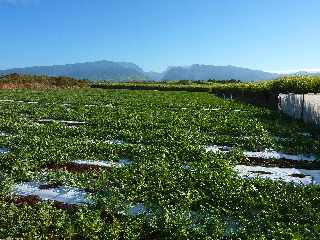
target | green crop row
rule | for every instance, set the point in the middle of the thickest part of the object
(153, 86)
(287, 84)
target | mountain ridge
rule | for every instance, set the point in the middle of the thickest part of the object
(98, 70)
(127, 71)
(205, 72)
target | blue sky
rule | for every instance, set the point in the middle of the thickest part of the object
(271, 35)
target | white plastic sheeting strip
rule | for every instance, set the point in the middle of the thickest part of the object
(72, 122)
(119, 164)
(270, 154)
(4, 150)
(211, 109)
(218, 149)
(69, 124)
(138, 209)
(63, 194)
(266, 154)
(115, 142)
(305, 134)
(60, 121)
(135, 210)
(298, 176)
(282, 138)
(18, 101)
(5, 134)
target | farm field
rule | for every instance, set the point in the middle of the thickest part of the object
(118, 164)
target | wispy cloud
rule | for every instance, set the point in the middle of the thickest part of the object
(288, 71)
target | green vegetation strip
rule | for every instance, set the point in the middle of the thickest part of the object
(154, 197)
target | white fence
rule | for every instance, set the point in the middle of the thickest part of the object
(301, 106)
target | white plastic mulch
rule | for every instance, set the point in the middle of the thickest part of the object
(218, 149)
(135, 210)
(60, 121)
(212, 109)
(109, 105)
(18, 101)
(138, 209)
(5, 134)
(71, 195)
(119, 164)
(115, 142)
(305, 134)
(266, 154)
(298, 176)
(270, 154)
(69, 124)
(63, 194)
(4, 150)
(282, 138)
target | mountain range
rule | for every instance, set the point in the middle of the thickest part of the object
(99, 70)
(205, 72)
(126, 71)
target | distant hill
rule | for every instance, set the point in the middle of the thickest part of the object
(205, 72)
(100, 70)
(125, 71)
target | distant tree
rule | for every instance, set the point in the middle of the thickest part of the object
(224, 81)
